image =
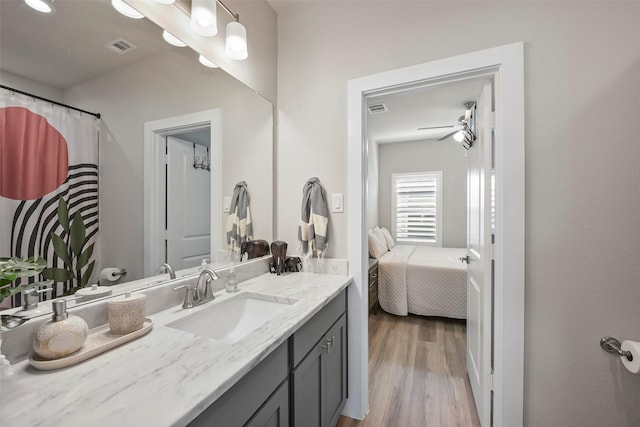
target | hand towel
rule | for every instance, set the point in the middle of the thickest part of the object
(314, 221)
(239, 228)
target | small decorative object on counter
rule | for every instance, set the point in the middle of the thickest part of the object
(93, 292)
(232, 279)
(293, 264)
(62, 335)
(279, 253)
(126, 313)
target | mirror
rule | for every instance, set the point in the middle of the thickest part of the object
(63, 57)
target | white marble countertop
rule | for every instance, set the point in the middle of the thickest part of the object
(165, 378)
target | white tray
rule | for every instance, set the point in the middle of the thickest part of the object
(99, 340)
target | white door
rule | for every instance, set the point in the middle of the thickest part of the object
(479, 252)
(188, 207)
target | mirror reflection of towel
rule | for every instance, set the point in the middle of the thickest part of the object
(239, 228)
(314, 221)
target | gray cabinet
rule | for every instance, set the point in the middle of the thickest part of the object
(244, 402)
(319, 378)
(302, 383)
(275, 411)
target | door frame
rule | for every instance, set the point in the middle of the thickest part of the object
(507, 64)
(154, 186)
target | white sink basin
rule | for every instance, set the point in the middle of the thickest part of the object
(234, 318)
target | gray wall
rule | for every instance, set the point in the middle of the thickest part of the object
(426, 156)
(170, 85)
(582, 68)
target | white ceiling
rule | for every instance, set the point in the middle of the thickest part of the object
(408, 110)
(66, 47)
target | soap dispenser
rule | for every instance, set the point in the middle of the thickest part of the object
(232, 279)
(204, 264)
(62, 335)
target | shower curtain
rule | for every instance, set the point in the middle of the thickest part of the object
(49, 164)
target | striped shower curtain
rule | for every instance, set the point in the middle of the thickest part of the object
(47, 153)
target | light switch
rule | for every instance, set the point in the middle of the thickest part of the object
(337, 203)
(226, 203)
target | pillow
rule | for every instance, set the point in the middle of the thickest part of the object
(378, 232)
(377, 247)
(387, 238)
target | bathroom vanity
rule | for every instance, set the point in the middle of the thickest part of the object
(290, 370)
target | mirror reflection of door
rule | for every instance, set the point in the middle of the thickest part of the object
(188, 212)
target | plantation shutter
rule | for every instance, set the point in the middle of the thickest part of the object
(416, 207)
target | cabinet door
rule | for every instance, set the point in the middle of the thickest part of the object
(336, 370)
(308, 401)
(275, 411)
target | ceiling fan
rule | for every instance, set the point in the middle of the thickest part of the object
(463, 130)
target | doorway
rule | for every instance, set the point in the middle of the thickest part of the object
(188, 184)
(204, 128)
(505, 65)
(430, 190)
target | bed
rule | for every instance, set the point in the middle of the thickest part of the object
(423, 280)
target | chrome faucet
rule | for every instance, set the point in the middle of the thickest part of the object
(166, 266)
(202, 293)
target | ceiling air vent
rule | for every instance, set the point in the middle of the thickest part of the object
(377, 108)
(120, 46)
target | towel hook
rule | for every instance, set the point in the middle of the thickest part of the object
(612, 345)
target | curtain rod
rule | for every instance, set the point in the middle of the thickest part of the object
(96, 115)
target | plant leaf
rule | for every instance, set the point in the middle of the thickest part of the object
(63, 214)
(60, 248)
(87, 274)
(78, 234)
(84, 257)
(57, 274)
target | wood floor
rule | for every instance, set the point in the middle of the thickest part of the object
(417, 374)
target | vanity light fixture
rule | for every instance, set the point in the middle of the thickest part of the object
(126, 10)
(43, 6)
(172, 40)
(206, 62)
(236, 43)
(236, 40)
(204, 19)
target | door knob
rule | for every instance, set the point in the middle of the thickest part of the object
(465, 259)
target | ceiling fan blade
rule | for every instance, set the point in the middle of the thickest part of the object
(449, 134)
(437, 127)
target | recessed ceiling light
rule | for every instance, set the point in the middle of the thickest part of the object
(172, 40)
(206, 62)
(126, 10)
(40, 5)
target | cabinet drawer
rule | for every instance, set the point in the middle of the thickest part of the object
(238, 404)
(308, 335)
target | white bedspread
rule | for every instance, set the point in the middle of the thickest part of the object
(423, 280)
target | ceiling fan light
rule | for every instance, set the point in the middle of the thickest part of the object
(236, 42)
(39, 5)
(126, 10)
(172, 40)
(204, 20)
(206, 62)
(459, 136)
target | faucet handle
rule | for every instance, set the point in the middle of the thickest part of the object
(188, 295)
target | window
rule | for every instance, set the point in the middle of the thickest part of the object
(416, 210)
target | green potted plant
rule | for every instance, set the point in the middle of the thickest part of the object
(14, 268)
(69, 246)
